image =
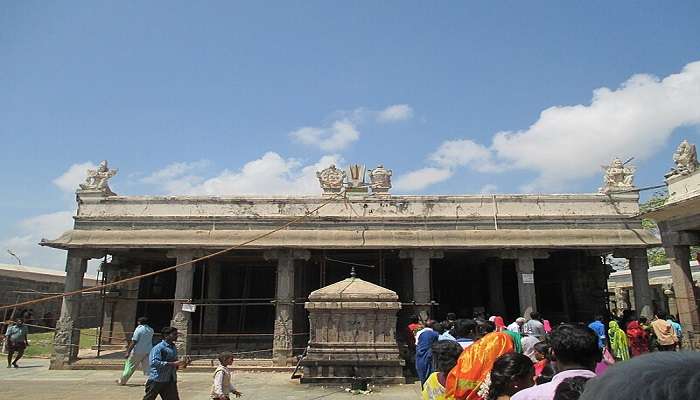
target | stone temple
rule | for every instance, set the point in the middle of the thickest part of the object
(498, 254)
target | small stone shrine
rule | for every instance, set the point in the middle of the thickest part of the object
(353, 334)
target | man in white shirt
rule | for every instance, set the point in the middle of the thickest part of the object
(223, 386)
(137, 351)
(517, 326)
(534, 326)
(576, 351)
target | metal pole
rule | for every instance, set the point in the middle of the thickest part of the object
(102, 312)
(202, 294)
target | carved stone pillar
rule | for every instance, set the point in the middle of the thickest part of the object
(211, 313)
(182, 320)
(282, 345)
(621, 299)
(670, 299)
(67, 338)
(639, 268)
(525, 268)
(494, 269)
(124, 306)
(420, 260)
(683, 287)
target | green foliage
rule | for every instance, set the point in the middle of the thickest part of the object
(657, 256)
(655, 201)
(41, 344)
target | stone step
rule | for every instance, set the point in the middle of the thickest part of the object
(203, 365)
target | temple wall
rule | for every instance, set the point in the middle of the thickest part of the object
(45, 313)
(452, 207)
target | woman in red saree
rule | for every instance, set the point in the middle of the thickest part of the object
(498, 321)
(466, 379)
(638, 339)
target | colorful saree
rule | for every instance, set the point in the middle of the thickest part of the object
(618, 341)
(638, 339)
(474, 365)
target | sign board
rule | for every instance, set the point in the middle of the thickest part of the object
(528, 278)
(189, 307)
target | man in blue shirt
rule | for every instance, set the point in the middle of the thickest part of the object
(676, 328)
(162, 377)
(16, 341)
(138, 351)
(599, 328)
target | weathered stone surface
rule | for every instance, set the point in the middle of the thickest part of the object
(97, 180)
(283, 338)
(67, 338)
(617, 177)
(352, 334)
(686, 160)
(380, 180)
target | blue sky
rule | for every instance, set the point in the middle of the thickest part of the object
(232, 97)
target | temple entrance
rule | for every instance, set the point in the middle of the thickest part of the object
(155, 294)
(461, 284)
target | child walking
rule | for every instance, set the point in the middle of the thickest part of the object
(223, 386)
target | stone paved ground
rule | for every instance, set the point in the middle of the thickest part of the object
(34, 380)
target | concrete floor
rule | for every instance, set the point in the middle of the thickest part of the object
(34, 380)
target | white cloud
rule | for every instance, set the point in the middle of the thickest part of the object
(489, 188)
(570, 143)
(177, 177)
(461, 153)
(444, 161)
(343, 131)
(68, 182)
(175, 170)
(395, 113)
(269, 174)
(339, 135)
(420, 179)
(28, 234)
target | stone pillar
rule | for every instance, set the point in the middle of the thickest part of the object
(282, 344)
(683, 286)
(639, 268)
(182, 320)
(420, 260)
(67, 337)
(494, 269)
(124, 308)
(671, 299)
(213, 273)
(525, 268)
(621, 299)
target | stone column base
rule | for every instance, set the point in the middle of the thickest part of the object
(66, 345)
(281, 357)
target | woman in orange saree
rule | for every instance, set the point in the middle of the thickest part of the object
(465, 380)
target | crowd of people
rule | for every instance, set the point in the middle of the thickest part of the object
(480, 359)
(485, 359)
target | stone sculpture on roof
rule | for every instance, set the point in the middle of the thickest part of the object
(380, 180)
(618, 177)
(686, 159)
(97, 179)
(357, 176)
(331, 179)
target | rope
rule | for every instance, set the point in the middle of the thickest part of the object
(217, 253)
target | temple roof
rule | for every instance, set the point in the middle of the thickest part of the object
(353, 289)
(357, 238)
